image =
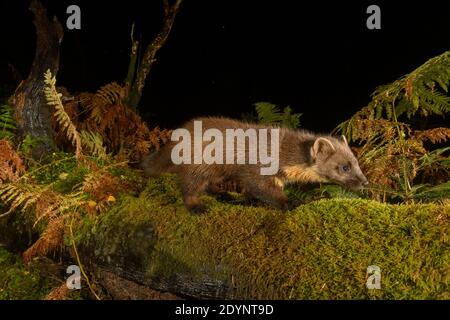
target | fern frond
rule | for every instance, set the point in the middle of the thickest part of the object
(45, 202)
(51, 240)
(430, 159)
(58, 204)
(58, 293)
(107, 96)
(429, 192)
(54, 99)
(393, 155)
(289, 119)
(111, 93)
(435, 135)
(425, 90)
(93, 142)
(158, 137)
(269, 113)
(19, 196)
(7, 122)
(11, 165)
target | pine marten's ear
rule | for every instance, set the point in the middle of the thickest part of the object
(322, 148)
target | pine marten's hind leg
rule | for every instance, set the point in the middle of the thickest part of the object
(266, 190)
(191, 189)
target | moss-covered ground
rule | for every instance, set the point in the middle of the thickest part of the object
(320, 250)
(18, 282)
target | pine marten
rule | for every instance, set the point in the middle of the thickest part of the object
(303, 157)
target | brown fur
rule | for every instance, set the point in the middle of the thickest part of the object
(303, 158)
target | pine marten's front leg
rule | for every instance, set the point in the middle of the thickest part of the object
(266, 190)
(191, 189)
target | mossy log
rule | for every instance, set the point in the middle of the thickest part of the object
(320, 250)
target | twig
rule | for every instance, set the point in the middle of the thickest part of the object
(146, 63)
(79, 261)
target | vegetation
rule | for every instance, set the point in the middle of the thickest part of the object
(85, 202)
(320, 250)
(18, 282)
(7, 124)
(400, 160)
(269, 113)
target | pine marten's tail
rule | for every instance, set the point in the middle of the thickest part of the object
(157, 162)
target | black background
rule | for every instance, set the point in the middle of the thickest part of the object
(224, 55)
(150, 310)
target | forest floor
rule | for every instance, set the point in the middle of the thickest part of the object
(319, 250)
(37, 280)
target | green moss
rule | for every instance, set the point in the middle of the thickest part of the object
(127, 174)
(320, 250)
(18, 282)
(59, 168)
(64, 173)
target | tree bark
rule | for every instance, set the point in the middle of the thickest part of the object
(175, 285)
(146, 63)
(33, 115)
(133, 59)
(137, 284)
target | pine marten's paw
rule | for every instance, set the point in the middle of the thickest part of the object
(198, 209)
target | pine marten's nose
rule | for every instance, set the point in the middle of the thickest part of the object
(365, 183)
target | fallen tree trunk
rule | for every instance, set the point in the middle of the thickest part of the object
(321, 250)
(318, 251)
(120, 288)
(169, 289)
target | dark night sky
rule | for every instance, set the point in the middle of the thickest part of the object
(223, 56)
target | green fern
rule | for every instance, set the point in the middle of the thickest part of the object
(392, 152)
(432, 193)
(421, 192)
(7, 122)
(269, 113)
(29, 143)
(432, 158)
(93, 142)
(423, 91)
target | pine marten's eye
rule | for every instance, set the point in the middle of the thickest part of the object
(345, 168)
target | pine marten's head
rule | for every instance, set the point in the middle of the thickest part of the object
(335, 162)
